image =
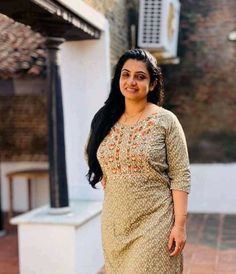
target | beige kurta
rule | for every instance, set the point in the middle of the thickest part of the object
(142, 163)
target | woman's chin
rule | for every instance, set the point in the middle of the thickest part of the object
(131, 94)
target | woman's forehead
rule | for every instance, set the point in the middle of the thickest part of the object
(135, 65)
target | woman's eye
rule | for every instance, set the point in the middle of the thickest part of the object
(140, 77)
(125, 75)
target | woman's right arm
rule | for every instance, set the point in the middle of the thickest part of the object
(103, 182)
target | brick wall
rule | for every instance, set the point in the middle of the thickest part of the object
(202, 88)
(23, 128)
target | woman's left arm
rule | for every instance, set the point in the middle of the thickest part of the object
(178, 235)
(179, 174)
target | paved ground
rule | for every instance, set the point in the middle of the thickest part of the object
(211, 247)
(9, 254)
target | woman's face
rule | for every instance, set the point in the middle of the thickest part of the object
(135, 80)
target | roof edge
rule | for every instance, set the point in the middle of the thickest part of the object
(86, 12)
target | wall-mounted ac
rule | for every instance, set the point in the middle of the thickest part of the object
(159, 27)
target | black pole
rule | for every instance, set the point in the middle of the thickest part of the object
(1, 219)
(1, 212)
(56, 143)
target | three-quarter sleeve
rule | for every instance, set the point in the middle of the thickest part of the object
(177, 156)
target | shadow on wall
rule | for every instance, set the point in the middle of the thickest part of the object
(214, 147)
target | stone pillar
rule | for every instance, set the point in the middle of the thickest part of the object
(1, 218)
(1, 211)
(59, 201)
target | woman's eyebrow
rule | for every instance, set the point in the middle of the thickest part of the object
(140, 71)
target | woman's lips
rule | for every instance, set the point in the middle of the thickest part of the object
(133, 90)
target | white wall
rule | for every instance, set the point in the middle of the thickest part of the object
(213, 188)
(40, 187)
(89, 253)
(85, 70)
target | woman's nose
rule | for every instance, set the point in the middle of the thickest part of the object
(132, 81)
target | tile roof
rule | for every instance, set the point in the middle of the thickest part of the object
(21, 49)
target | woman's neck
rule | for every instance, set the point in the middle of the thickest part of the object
(134, 107)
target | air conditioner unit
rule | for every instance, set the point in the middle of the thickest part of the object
(159, 27)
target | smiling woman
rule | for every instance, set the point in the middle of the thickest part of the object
(137, 149)
(135, 80)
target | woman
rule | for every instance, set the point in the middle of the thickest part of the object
(138, 150)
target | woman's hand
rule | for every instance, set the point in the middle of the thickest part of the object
(103, 182)
(177, 240)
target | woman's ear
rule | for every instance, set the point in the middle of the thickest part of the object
(152, 86)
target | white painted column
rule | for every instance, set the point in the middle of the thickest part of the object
(85, 67)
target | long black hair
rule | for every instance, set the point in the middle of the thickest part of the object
(114, 107)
